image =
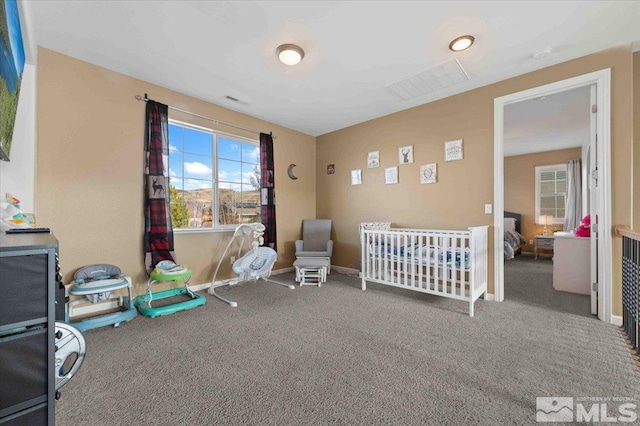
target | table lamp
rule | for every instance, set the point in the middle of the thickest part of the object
(546, 220)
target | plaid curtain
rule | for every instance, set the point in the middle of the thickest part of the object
(267, 191)
(158, 235)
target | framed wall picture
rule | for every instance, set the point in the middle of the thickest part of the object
(428, 173)
(453, 150)
(405, 154)
(373, 159)
(391, 175)
(331, 169)
(11, 69)
(356, 177)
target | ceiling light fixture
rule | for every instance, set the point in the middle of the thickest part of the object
(541, 53)
(290, 54)
(461, 43)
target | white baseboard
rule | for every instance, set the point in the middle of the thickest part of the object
(490, 297)
(198, 287)
(232, 281)
(283, 270)
(616, 320)
(345, 271)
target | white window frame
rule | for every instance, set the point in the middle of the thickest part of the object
(539, 171)
(215, 226)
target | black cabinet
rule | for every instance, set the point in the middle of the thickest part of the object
(29, 285)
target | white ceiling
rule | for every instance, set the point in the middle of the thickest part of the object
(354, 49)
(557, 121)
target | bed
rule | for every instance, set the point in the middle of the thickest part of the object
(513, 238)
(451, 264)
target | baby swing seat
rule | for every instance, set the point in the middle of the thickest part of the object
(257, 263)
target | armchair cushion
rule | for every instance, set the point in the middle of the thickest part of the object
(300, 252)
(316, 239)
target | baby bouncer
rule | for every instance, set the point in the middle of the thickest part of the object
(254, 265)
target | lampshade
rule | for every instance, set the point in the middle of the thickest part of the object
(546, 219)
(290, 54)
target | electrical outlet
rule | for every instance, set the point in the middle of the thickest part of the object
(530, 241)
(487, 208)
(233, 259)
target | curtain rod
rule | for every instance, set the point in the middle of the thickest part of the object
(146, 99)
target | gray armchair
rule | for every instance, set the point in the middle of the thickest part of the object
(316, 240)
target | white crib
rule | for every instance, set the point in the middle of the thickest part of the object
(445, 263)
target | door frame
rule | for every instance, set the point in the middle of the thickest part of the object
(602, 80)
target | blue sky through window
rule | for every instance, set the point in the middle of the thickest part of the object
(197, 163)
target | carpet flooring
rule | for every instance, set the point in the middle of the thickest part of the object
(338, 355)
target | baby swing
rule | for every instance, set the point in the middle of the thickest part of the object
(254, 265)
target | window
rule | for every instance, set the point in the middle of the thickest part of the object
(214, 178)
(551, 188)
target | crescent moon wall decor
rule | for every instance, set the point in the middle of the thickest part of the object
(290, 172)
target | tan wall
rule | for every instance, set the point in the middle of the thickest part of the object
(457, 200)
(89, 185)
(520, 187)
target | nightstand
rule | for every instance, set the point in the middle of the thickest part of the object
(544, 242)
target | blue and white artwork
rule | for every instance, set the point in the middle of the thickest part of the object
(11, 67)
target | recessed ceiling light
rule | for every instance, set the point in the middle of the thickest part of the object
(290, 54)
(461, 43)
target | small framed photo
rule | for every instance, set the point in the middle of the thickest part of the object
(331, 169)
(391, 175)
(373, 159)
(405, 154)
(453, 150)
(269, 175)
(356, 177)
(428, 173)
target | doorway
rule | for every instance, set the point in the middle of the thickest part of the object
(601, 249)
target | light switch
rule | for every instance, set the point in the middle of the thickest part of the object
(487, 208)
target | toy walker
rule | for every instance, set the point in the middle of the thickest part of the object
(168, 271)
(95, 283)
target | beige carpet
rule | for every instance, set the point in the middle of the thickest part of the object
(338, 355)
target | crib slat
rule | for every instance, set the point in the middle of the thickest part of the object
(455, 265)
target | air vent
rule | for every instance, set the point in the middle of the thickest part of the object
(430, 80)
(231, 98)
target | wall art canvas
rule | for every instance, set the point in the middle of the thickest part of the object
(391, 175)
(331, 169)
(356, 177)
(11, 67)
(428, 173)
(453, 150)
(373, 159)
(405, 154)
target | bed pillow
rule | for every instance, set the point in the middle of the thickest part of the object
(509, 224)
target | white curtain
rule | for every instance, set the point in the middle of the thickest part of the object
(573, 209)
